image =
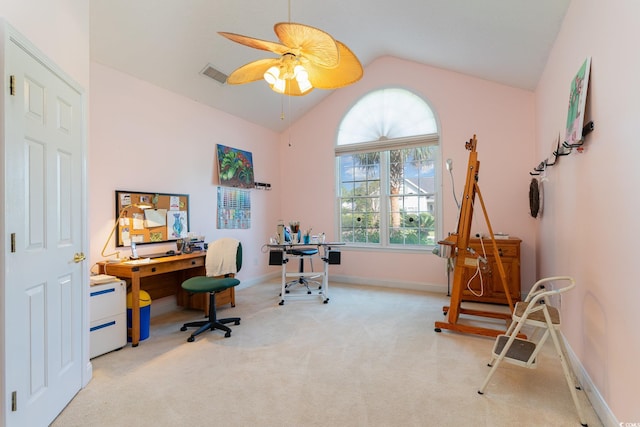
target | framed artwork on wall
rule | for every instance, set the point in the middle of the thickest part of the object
(235, 167)
(577, 103)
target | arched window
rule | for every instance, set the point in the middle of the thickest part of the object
(387, 152)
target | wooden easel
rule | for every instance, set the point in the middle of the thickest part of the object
(465, 259)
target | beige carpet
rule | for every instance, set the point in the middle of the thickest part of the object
(370, 357)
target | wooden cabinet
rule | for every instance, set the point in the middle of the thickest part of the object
(485, 285)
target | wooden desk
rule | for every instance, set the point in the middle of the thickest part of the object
(168, 273)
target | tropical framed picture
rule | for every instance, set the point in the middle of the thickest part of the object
(235, 167)
(577, 104)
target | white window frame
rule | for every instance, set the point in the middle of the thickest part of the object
(384, 146)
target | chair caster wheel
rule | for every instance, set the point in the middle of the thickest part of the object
(184, 328)
(237, 322)
(308, 292)
(326, 301)
(286, 292)
(479, 392)
(438, 330)
(227, 335)
(281, 302)
(191, 339)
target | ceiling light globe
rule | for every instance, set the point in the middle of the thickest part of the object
(302, 76)
(304, 85)
(279, 86)
(271, 75)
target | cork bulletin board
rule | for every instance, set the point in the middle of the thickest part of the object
(147, 217)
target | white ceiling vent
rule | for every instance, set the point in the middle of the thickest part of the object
(216, 75)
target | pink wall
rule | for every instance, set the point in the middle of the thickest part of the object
(147, 139)
(502, 118)
(590, 222)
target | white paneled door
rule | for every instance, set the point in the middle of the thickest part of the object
(44, 271)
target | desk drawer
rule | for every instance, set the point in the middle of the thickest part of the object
(107, 334)
(154, 268)
(505, 250)
(107, 299)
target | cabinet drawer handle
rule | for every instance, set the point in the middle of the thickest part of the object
(500, 251)
(193, 263)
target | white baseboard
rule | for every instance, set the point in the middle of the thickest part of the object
(415, 286)
(246, 283)
(597, 401)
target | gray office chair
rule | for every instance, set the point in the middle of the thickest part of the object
(221, 266)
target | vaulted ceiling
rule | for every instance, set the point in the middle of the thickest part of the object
(169, 42)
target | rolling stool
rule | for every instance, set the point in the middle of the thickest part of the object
(302, 253)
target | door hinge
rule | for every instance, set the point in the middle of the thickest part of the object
(14, 401)
(13, 242)
(12, 85)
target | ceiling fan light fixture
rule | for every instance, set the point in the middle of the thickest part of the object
(328, 63)
(279, 85)
(302, 77)
(272, 75)
(288, 77)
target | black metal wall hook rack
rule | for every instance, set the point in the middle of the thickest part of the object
(564, 150)
(262, 186)
(540, 168)
(587, 129)
(555, 160)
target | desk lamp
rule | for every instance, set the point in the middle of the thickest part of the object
(115, 226)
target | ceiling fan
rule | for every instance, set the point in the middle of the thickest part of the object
(309, 58)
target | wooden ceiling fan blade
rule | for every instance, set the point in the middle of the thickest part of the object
(278, 48)
(314, 44)
(252, 71)
(348, 71)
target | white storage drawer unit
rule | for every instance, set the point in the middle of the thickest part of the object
(108, 313)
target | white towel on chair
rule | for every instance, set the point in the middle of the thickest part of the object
(221, 257)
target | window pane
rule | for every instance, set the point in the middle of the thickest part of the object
(360, 188)
(346, 189)
(412, 197)
(390, 113)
